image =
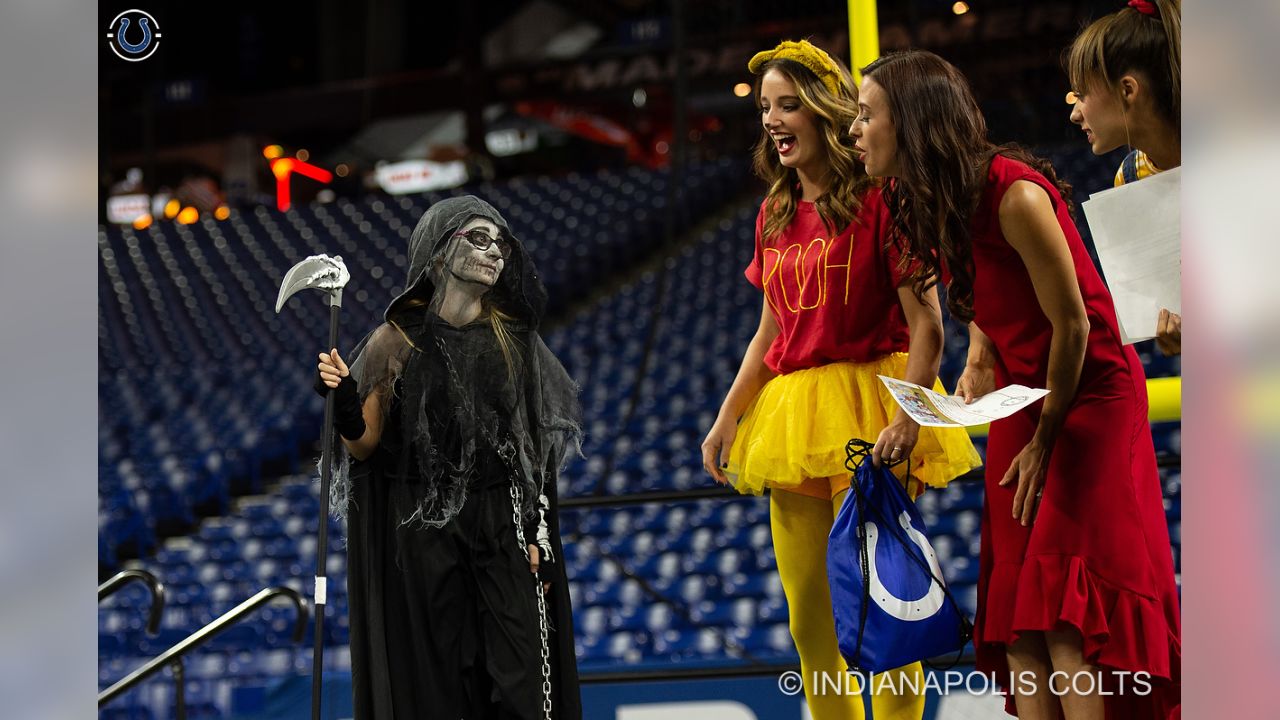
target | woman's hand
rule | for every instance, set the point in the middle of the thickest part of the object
(535, 557)
(975, 381)
(715, 449)
(1027, 470)
(897, 440)
(1169, 332)
(332, 368)
(348, 410)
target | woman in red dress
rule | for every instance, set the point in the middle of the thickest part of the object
(1077, 596)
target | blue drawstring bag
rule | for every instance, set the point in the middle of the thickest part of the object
(891, 604)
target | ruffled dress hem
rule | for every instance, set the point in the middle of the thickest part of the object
(1122, 630)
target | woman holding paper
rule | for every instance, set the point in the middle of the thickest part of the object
(1126, 79)
(1076, 576)
(835, 314)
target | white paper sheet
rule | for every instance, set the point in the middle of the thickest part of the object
(1137, 230)
(937, 410)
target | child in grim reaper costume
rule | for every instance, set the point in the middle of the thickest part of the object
(455, 419)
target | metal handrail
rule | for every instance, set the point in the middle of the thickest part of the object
(125, 577)
(201, 636)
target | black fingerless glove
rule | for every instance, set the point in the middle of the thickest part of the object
(321, 389)
(348, 416)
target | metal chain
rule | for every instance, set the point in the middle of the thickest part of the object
(542, 602)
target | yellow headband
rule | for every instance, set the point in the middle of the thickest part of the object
(805, 53)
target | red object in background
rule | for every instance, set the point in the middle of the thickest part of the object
(583, 124)
(284, 168)
(647, 141)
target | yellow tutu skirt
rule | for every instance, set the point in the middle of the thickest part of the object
(796, 430)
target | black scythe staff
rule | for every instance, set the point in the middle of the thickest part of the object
(328, 275)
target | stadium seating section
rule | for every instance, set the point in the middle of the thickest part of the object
(207, 424)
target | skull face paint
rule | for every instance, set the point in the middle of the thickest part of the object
(470, 264)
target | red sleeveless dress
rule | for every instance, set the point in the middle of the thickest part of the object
(1097, 557)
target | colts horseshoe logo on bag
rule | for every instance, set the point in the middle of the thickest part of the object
(920, 608)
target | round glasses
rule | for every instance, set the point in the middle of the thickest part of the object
(481, 241)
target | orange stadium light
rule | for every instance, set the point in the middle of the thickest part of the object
(142, 222)
(742, 89)
(222, 212)
(171, 209)
(271, 152)
(284, 168)
(188, 216)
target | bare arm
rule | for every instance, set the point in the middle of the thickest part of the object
(752, 375)
(924, 318)
(924, 355)
(1029, 224)
(982, 351)
(978, 377)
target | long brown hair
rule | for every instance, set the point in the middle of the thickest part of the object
(832, 114)
(1130, 41)
(943, 156)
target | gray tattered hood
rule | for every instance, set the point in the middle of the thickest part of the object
(519, 291)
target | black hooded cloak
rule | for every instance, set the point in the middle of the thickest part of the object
(443, 609)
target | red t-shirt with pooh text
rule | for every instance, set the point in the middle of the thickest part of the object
(835, 298)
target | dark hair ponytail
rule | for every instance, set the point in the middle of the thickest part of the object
(944, 156)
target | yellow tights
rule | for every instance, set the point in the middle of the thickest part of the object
(800, 525)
